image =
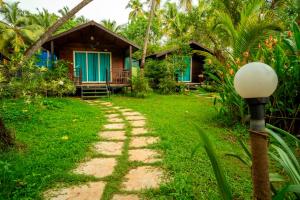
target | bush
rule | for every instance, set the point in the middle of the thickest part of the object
(162, 74)
(167, 85)
(140, 85)
(35, 81)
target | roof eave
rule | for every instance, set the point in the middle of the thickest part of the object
(92, 23)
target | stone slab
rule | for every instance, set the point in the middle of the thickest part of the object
(145, 177)
(139, 131)
(98, 167)
(113, 135)
(109, 148)
(144, 155)
(126, 110)
(139, 123)
(106, 103)
(119, 126)
(116, 107)
(125, 197)
(135, 118)
(90, 191)
(132, 114)
(110, 111)
(109, 116)
(138, 142)
(115, 120)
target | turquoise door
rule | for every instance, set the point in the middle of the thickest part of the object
(93, 67)
(186, 75)
(104, 65)
(80, 64)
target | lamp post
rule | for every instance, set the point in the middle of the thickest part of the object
(255, 82)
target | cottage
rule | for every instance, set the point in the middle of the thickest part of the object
(97, 56)
(193, 74)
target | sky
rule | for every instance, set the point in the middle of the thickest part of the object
(97, 10)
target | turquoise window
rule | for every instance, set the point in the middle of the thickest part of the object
(135, 63)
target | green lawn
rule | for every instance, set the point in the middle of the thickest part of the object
(56, 135)
(174, 119)
(51, 138)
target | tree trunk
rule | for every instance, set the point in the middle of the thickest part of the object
(148, 33)
(37, 45)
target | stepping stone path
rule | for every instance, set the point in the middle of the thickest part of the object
(124, 126)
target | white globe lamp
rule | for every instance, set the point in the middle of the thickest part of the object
(255, 82)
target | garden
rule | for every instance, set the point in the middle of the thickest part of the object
(193, 135)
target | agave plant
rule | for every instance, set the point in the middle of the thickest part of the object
(223, 185)
(285, 157)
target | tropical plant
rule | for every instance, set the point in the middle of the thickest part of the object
(280, 151)
(285, 158)
(43, 18)
(186, 4)
(37, 45)
(282, 53)
(223, 185)
(247, 32)
(81, 20)
(136, 30)
(15, 30)
(140, 85)
(111, 25)
(154, 4)
(136, 9)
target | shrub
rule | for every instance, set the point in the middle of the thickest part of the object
(163, 74)
(167, 85)
(140, 85)
(34, 81)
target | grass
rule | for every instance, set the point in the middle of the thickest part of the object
(52, 137)
(56, 135)
(175, 119)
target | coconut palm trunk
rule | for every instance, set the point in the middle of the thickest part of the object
(146, 41)
(37, 45)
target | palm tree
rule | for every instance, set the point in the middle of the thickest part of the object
(154, 4)
(64, 11)
(249, 29)
(136, 9)
(37, 45)
(111, 25)
(44, 19)
(81, 20)
(186, 4)
(15, 29)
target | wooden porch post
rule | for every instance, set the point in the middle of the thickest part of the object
(130, 58)
(52, 52)
(130, 64)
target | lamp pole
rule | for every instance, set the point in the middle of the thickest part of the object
(259, 149)
(255, 82)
